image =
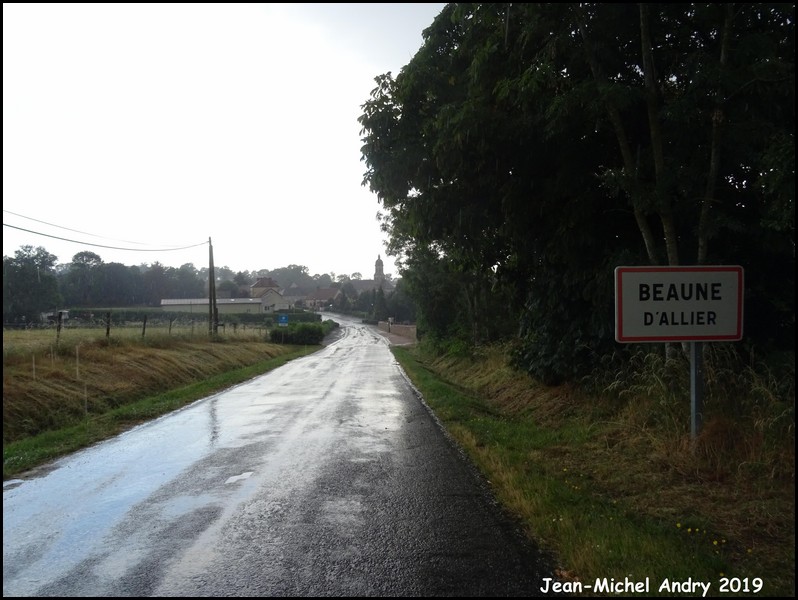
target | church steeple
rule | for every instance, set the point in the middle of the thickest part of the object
(379, 275)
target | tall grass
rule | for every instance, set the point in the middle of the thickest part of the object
(749, 410)
(48, 386)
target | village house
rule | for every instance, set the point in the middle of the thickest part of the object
(322, 298)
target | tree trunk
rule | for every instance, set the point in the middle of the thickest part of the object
(657, 145)
(714, 150)
(629, 164)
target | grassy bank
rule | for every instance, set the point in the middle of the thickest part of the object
(612, 484)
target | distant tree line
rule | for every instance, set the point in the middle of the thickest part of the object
(528, 149)
(34, 283)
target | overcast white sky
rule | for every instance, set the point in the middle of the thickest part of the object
(152, 126)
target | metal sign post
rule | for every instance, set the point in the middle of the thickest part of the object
(696, 387)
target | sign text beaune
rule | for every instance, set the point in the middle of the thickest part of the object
(678, 304)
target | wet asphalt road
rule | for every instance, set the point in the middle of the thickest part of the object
(325, 477)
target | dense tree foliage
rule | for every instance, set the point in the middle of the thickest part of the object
(401, 305)
(528, 149)
(29, 285)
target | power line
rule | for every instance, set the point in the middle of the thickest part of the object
(68, 229)
(103, 246)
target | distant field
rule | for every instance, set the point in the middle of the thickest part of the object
(27, 341)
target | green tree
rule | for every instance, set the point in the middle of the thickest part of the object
(286, 276)
(156, 284)
(433, 283)
(380, 306)
(401, 305)
(189, 283)
(348, 288)
(80, 285)
(365, 302)
(30, 287)
(224, 273)
(227, 289)
(533, 147)
(243, 280)
(342, 302)
(321, 281)
(121, 285)
(481, 197)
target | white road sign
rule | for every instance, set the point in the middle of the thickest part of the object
(672, 304)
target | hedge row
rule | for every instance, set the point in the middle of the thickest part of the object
(302, 333)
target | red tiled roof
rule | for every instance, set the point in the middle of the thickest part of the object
(265, 282)
(323, 294)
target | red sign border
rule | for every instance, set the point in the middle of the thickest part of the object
(619, 271)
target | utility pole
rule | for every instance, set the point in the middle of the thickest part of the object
(213, 319)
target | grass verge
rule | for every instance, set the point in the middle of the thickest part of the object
(597, 494)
